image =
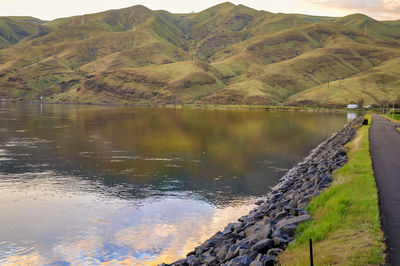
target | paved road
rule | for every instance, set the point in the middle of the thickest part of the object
(385, 153)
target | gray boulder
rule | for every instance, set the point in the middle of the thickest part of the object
(240, 261)
(293, 220)
(263, 245)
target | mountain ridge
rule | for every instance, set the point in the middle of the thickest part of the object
(226, 54)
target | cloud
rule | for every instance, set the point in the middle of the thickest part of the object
(50, 9)
(355, 4)
(392, 4)
(379, 9)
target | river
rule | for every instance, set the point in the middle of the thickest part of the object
(137, 185)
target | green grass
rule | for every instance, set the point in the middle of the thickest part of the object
(42, 84)
(376, 85)
(15, 29)
(346, 229)
(395, 117)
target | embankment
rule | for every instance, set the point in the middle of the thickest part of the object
(258, 237)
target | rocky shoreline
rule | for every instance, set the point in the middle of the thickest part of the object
(257, 238)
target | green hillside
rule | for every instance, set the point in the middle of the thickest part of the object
(227, 54)
(15, 29)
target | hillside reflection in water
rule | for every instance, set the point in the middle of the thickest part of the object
(91, 184)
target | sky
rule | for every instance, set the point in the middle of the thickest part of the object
(51, 9)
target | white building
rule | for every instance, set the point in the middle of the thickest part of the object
(352, 106)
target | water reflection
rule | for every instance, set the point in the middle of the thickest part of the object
(89, 185)
(66, 224)
(351, 116)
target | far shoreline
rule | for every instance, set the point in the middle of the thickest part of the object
(203, 106)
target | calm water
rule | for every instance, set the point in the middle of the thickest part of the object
(125, 185)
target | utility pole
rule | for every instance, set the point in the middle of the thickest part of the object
(193, 47)
(294, 23)
(393, 111)
(84, 19)
(365, 28)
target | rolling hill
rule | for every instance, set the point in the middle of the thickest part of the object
(227, 54)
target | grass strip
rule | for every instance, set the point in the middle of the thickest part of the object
(394, 118)
(346, 228)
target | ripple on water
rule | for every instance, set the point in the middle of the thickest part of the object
(8, 250)
(121, 157)
(6, 159)
(161, 159)
(278, 169)
(116, 161)
(3, 152)
(26, 142)
(5, 156)
(174, 166)
(87, 154)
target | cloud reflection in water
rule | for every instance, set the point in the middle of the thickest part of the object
(92, 228)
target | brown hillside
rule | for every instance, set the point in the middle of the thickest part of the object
(226, 54)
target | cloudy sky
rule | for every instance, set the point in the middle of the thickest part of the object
(50, 9)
